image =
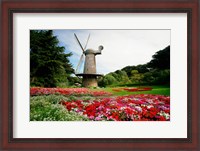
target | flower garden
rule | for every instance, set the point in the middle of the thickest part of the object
(84, 104)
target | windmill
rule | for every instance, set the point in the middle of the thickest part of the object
(89, 73)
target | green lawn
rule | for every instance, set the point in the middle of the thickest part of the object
(162, 90)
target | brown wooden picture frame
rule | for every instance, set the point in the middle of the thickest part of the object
(9, 7)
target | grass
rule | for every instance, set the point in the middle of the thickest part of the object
(161, 90)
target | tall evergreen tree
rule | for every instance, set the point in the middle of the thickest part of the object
(49, 65)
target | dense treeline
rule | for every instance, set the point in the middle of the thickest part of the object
(157, 71)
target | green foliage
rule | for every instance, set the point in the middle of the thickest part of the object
(114, 78)
(140, 68)
(157, 71)
(109, 80)
(49, 65)
(161, 60)
(157, 77)
(47, 108)
(148, 77)
(133, 72)
(136, 77)
(75, 81)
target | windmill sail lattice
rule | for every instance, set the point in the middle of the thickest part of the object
(89, 73)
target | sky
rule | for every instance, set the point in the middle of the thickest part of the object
(121, 47)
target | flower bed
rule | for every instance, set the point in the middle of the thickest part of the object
(66, 91)
(123, 108)
(138, 89)
(117, 89)
(132, 89)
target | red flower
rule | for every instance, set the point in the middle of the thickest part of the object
(129, 111)
(140, 107)
(161, 118)
(115, 115)
(152, 112)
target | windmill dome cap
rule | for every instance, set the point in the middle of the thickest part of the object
(90, 51)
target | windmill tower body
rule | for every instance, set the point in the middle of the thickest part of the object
(89, 73)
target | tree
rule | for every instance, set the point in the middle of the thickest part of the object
(128, 69)
(107, 80)
(49, 65)
(142, 68)
(148, 77)
(161, 59)
(136, 77)
(157, 77)
(162, 77)
(157, 71)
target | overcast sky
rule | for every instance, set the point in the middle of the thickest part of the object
(121, 47)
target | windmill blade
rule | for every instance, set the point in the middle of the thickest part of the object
(87, 42)
(79, 63)
(78, 42)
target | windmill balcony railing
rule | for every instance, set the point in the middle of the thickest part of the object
(89, 74)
